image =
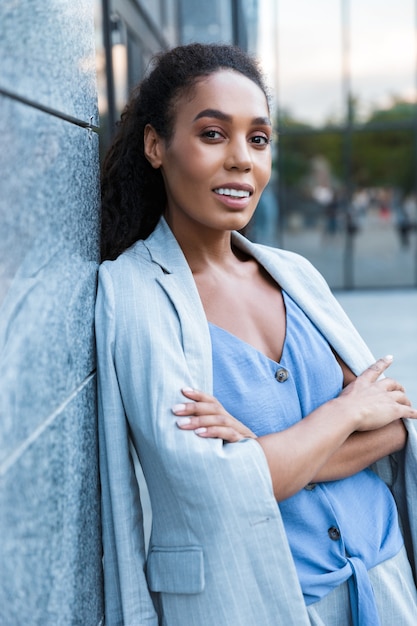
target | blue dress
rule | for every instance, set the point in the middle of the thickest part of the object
(336, 530)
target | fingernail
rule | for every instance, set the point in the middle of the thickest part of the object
(389, 357)
(183, 421)
(178, 407)
(198, 431)
(187, 389)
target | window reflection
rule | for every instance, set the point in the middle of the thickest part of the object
(348, 138)
(384, 206)
(100, 58)
(309, 44)
(119, 61)
(206, 21)
(313, 200)
(382, 52)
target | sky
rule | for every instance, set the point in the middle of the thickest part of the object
(304, 60)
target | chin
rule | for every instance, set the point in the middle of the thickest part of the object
(239, 222)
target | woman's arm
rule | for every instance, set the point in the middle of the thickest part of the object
(361, 449)
(311, 450)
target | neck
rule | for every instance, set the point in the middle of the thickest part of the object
(205, 247)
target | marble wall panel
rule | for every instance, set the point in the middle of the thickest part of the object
(47, 54)
(50, 551)
(50, 547)
(49, 221)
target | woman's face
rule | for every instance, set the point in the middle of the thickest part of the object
(218, 160)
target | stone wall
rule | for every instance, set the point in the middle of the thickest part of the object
(50, 551)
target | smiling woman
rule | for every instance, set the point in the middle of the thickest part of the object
(250, 399)
(218, 160)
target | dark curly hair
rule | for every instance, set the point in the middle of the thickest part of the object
(132, 191)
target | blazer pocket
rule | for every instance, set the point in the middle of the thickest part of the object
(175, 570)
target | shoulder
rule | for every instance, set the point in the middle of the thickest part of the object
(271, 252)
(137, 254)
(132, 267)
(296, 264)
(132, 301)
(289, 257)
(128, 286)
(285, 264)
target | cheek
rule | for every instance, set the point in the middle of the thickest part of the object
(191, 165)
(264, 172)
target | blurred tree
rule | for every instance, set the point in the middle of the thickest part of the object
(383, 151)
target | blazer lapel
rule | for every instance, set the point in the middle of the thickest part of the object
(177, 281)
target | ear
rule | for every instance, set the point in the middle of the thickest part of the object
(153, 147)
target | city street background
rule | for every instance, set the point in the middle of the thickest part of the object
(387, 320)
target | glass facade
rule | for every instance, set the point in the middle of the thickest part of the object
(206, 21)
(347, 113)
(128, 34)
(309, 60)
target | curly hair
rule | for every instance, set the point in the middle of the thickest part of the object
(132, 191)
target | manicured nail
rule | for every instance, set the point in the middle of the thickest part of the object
(183, 421)
(389, 357)
(198, 431)
(178, 407)
(187, 389)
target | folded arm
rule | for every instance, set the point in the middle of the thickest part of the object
(338, 439)
(361, 449)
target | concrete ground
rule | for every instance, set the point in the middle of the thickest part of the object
(387, 320)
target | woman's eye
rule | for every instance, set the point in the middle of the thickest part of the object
(260, 140)
(212, 134)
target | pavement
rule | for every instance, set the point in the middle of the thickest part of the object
(387, 320)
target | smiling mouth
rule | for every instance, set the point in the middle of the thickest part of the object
(233, 193)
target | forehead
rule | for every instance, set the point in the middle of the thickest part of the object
(227, 91)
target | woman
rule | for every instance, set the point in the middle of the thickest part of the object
(186, 306)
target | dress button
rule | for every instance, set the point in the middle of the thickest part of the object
(334, 533)
(281, 375)
(310, 486)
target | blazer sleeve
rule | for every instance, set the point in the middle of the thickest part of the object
(127, 598)
(404, 488)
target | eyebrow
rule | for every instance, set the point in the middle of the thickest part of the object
(224, 117)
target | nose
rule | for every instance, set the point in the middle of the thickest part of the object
(238, 155)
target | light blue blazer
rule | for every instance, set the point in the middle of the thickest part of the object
(218, 553)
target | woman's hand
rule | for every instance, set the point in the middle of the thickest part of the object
(376, 402)
(208, 418)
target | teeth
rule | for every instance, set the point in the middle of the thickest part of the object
(235, 193)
